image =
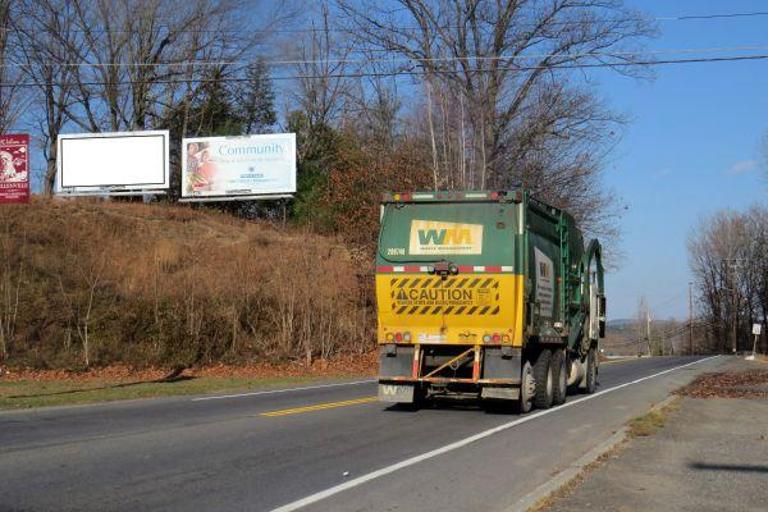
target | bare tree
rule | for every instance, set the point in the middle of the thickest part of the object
(505, 74)
(12, 258)
(321, 65)
(11, 93)
(643, 326)
(137, 58)
(730, 266)
(46, 35)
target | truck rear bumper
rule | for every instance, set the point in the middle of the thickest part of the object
(406, 371)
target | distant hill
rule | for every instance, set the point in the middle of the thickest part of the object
(620, 323)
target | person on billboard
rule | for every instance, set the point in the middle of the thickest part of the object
(200, 169)
(193, 161)
(206, 171)
(8, 169)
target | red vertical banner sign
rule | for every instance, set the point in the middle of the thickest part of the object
(14, 168)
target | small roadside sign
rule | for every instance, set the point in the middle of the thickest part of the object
(14, 168)
(757, 329)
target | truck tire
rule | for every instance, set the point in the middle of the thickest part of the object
(527, 389)
(591, 376)
(559, 376)
(542, 374)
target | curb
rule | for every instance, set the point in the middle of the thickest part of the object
(564, 477)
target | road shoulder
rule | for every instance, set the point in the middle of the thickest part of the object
(710, 454)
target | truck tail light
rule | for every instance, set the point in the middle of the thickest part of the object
(399, 337)
(496, 338)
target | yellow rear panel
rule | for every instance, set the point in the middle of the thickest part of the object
(456, 310)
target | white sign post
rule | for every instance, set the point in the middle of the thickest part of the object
(756, 330)
(236, 168)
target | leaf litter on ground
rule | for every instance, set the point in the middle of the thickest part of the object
(746, 384)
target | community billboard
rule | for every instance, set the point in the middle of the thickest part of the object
(251, 166)
(14, 168)
(116, 163)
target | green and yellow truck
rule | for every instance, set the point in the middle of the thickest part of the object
(488, 294)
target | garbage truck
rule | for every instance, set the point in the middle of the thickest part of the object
(486, 294)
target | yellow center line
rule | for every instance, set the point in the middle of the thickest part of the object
(319, 407)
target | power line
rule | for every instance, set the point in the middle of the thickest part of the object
(692, 17)
(393, 73)
(490, 58)
(320, 29)
(671, 333)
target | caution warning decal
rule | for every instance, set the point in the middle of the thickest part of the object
(454, 296)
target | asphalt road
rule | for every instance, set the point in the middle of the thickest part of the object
(263, 451)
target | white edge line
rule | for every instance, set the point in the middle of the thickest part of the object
(285, 390)
(314, 498)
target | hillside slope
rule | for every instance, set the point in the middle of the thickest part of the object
(93, 282)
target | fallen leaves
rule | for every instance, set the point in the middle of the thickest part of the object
(346, 365)
(746, 384)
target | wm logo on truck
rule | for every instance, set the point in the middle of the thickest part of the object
(435, 237)
(445, 236)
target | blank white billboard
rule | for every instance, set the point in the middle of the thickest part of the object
(113, 162)
(249, 166)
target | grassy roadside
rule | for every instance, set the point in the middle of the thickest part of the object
(25, 394)
(649, 423)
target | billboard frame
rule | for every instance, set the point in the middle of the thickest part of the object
(113, 189)
(214, 199)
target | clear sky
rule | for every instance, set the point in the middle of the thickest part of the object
(691, 148)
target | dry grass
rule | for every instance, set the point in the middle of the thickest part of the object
(648, 424)
(26, 394)
(571, 485)
(91, 282)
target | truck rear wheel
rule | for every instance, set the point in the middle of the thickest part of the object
(527, 388)
(542, 373)
(591, 376)
(560, 377)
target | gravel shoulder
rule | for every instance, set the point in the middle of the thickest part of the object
(711, 454)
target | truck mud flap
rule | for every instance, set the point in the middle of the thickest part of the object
(397, 362)
(396, 393)
(500, 393)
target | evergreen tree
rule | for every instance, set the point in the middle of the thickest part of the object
(256, 100)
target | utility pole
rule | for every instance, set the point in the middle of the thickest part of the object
(690, 318)
(733, 263)
(648, 330)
